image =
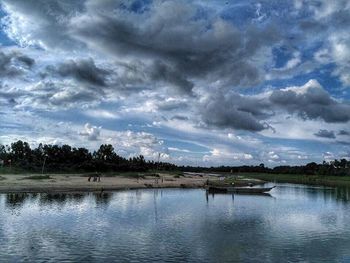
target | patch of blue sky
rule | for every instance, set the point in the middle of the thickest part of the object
(239, 15)
(329, 80)
(307, 145)
(186, 145)
(81, 118)
(245, 13)
(309, 47)
(324, 75)
(202, 13)
(170, 135)
(298, 80)
(13, 126)
(70, 115)
(281, 55)
(190, 141)
(4, 39)
(138, 6)
(176, 153)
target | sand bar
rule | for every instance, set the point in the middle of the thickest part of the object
(14, 183)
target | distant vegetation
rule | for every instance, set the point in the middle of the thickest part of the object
(333, 168)
(19, 157)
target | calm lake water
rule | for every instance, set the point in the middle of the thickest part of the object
(296, 223)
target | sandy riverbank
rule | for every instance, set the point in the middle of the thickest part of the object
(13, 183)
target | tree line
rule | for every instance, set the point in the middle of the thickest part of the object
(332, 168)
(55, 158)
(64, 158)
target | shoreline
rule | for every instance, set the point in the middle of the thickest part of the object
(79, 183)
(92, 189)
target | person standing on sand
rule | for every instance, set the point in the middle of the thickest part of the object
(97, 177)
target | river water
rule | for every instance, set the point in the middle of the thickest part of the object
(296, 223)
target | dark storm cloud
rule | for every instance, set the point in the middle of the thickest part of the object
(42, 22)
(325, 134)
(312, 25)
(343, 132)
(176, 44)
(312, 103)
(26, 60)
(251, 113)
(180, 46)
(180, 118)
(171, 105)
(234, 111)
(84, 71)
(11, 64)
(169, 43)
(162, 72)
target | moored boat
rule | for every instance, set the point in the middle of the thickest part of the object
(245, 190)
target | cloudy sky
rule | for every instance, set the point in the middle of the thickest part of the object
(202, 82)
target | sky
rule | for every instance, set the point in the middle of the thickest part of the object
(202, 83)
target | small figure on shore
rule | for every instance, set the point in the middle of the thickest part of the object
(162, 179)
(89, 179)
(97, 177)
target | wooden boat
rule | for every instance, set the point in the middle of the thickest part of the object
(243, 190)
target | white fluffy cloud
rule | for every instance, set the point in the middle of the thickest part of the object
(218, 156)
(91, 132)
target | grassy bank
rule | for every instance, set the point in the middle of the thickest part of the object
(13, 170)
(302, 179)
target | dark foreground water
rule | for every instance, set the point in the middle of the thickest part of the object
(296, 223)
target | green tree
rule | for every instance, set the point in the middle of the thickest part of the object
(105, 153)
(20, 151)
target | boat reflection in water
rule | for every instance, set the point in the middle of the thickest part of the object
(212, 193)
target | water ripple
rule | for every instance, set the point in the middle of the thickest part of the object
(297, 224)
